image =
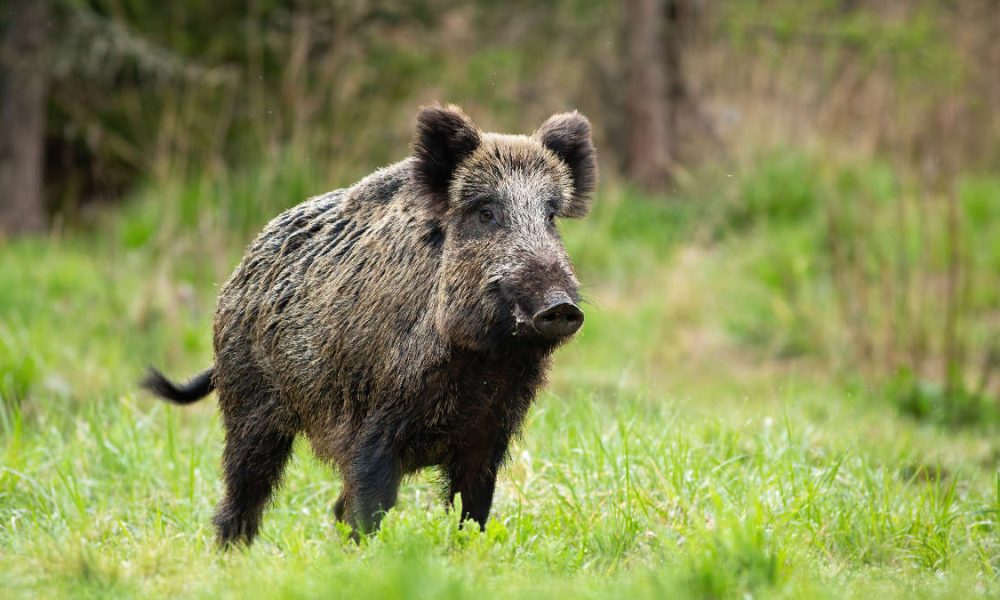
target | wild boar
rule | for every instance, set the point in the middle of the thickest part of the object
(404, 322)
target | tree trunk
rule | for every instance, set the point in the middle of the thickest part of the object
(676, 86)
(647, 113)
(23, 90)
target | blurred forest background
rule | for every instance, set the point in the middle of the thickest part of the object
(859, 138)
(788, 383)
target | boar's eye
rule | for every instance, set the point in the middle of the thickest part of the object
(486, 215)
(551, 217)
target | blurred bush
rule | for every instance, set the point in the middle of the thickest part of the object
(857, 263)
(149, 91)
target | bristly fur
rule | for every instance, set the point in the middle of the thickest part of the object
(389, 322)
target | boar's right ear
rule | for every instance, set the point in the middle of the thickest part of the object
(445, 137)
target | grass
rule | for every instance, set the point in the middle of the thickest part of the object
(694, 441)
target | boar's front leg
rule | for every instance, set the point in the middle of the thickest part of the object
(373, 481)
(472, 473)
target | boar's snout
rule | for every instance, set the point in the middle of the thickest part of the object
(559, 318)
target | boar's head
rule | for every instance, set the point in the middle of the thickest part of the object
(505, 276)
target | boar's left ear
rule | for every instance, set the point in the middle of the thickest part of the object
(568, 136)
(445, 137)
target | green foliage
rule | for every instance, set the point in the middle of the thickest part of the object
(933, 402)
(857, 265)
(980, 201)
(18, 369)
(914, 44)
(627, 233)
(781, 188)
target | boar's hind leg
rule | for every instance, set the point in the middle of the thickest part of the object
(472, 473)
(253, 461)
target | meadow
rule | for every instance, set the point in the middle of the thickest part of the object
(704, 436)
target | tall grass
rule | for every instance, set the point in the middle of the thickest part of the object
(860, 264)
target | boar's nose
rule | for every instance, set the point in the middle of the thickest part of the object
(559, 319)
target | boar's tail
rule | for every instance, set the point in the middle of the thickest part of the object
(197, 388)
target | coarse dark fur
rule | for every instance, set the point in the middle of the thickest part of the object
(391, 322)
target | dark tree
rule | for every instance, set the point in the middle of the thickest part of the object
(647, 114)
(23, 90)
(664, 123)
